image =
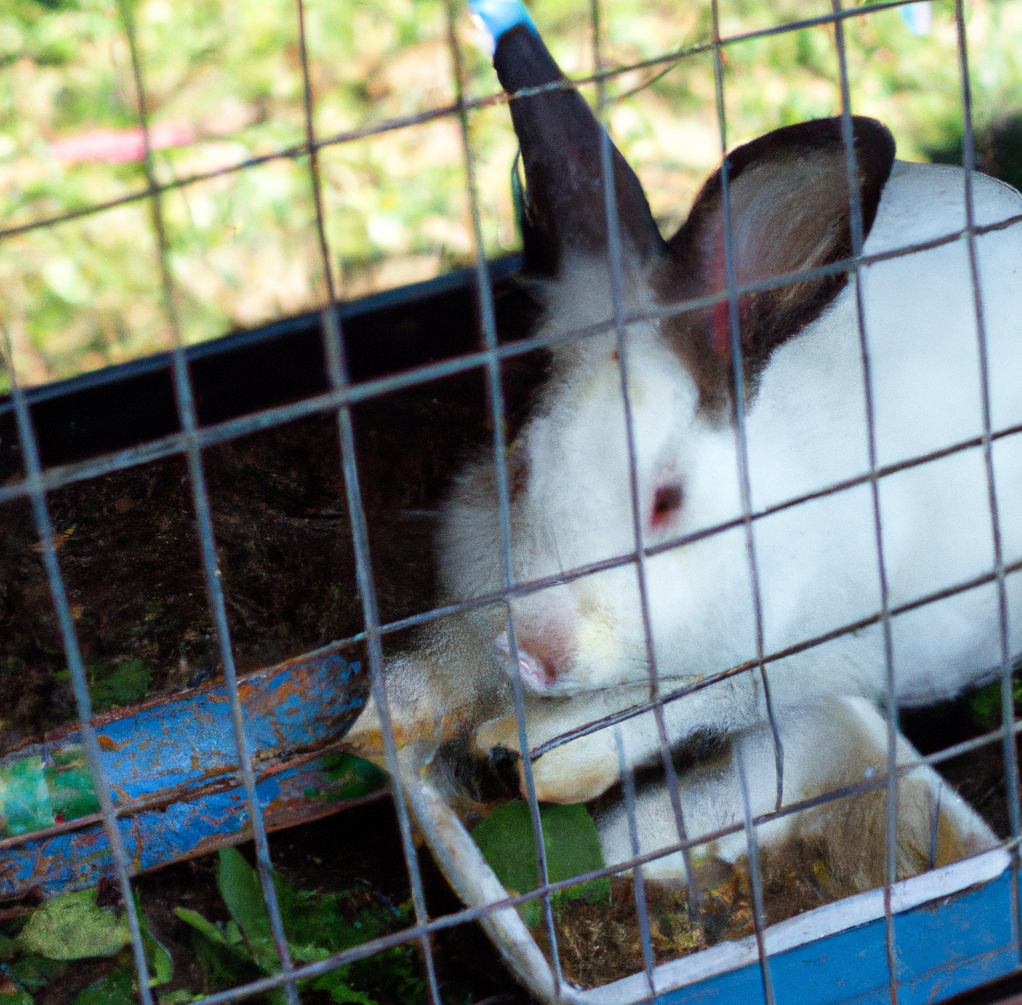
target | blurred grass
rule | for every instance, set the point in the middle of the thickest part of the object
(224, 84)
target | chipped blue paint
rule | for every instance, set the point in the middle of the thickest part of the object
(178, 757)
(151, 838)
(291, 707)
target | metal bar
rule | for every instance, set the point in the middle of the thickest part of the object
(448, 921)
(69, 639)
(115, 734)
(891, 711)
(343, 395)
(758, 912)
(1011, 773)
(200, 500)
(495, 397)
(738, 377)
(615, 261)
(641, 907)
(333, 347)
(741, 445)
(452, 280)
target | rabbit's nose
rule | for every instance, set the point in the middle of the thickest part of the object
(533, 671)
(542, 657)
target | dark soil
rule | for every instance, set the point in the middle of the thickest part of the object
(130, 556)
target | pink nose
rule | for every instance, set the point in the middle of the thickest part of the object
(533, 671)
(546, 644)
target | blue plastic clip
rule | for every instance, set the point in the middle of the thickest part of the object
(499, 16)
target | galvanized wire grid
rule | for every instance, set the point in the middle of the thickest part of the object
(343, 395)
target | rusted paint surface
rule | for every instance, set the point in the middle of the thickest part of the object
(172, 769)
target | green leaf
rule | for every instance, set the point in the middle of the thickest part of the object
(16, 997)
(572, 845)
(121, 684)
(160, 961)
(34, 794)
(358, 777)
(243, 895)
(571, 842)
(182, 996)
(74, 927)
(226, 963)
(985, 704)
(34, 972)
(70, 783)
(117, 988)
(24, 798)
(335, 985)
(201, 925)
(239, 886)
(161, 964)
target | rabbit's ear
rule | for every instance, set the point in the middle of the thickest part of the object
(790, 212)
(560, 141)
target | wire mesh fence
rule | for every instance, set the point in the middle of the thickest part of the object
(664, 693)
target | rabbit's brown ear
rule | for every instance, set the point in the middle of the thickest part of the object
(790, 212)
(560, 140)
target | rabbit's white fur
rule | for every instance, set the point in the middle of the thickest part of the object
(806, 429)
(840, 743)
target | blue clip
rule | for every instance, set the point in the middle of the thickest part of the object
(500, 16)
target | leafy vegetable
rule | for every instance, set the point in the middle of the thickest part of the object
(74, 927)
(985, 705)
(359, 778)
(34, 794)
(117, 988)
(571, 843)
(114, 684)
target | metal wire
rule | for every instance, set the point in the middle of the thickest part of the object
(758, 911)
(177, 443)
(638, 885)
(333, 344)
(615, 262)
(343, 395)
(1007, 698)
(741, 445)
(498, 415)
(891, 711)
(185, 401)
(79, 680)
(388, 125)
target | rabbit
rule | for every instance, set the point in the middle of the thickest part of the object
(580, 644)
(796, 423)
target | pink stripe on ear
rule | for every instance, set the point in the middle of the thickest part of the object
(720, 337)
(720, 326)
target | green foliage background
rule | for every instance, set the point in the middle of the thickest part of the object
(227, 77)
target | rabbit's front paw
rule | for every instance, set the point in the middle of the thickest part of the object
(572, 773)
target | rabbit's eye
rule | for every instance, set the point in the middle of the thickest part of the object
(666, 502)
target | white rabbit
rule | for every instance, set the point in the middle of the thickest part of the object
(581, 643)
(583, 640)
